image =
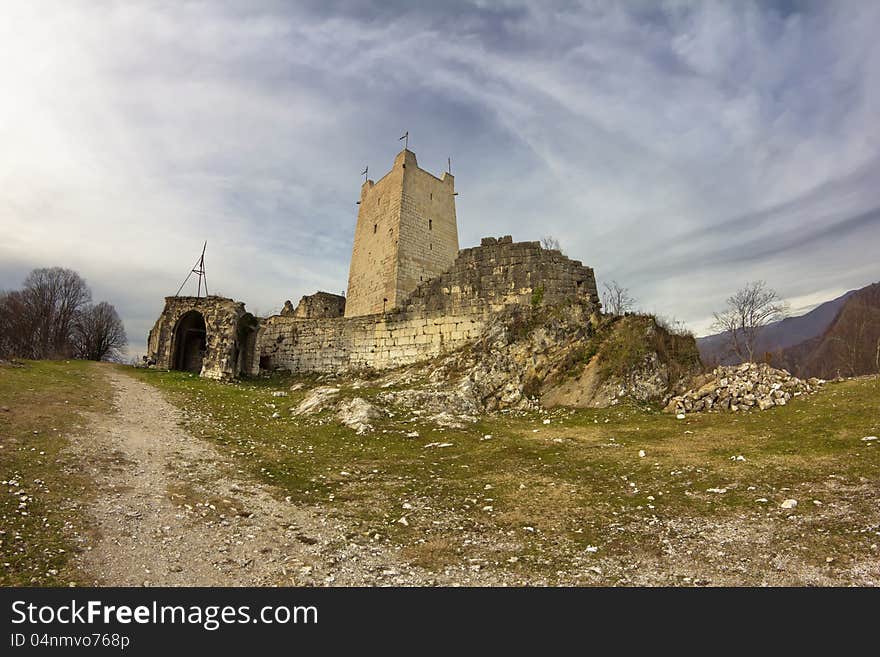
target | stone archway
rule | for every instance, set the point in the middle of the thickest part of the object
(190, 342)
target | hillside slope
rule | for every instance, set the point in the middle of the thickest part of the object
(850, 346)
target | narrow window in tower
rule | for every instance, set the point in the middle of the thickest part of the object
(430, 224)
(432, 196)
(430, 247)
(375, 228)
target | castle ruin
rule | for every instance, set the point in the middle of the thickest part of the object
(412, 294)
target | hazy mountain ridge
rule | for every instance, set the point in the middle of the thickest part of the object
(849, 346)
(776, 336)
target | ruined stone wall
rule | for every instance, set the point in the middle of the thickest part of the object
(226, 324)
(405, 233)
(443, 314)
(501, 272)
(319, 305)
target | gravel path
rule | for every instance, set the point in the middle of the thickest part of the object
(172, 511)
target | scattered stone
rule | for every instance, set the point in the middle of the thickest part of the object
(720, 491)
(869, 438)
(788, 504)
(680, 416)
(279, 393)
(743, 387)
(641, 453)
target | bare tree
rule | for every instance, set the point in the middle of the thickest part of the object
(15, 329)
(616, 299)
(551, 243)
(98, 333)
(748, 311)
(53, 297)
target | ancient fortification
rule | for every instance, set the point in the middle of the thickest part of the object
(412, 294)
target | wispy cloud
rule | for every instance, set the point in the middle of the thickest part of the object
(681, 148)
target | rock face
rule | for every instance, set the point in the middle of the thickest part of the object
(568, 357)
(742, 387)
(316, 401)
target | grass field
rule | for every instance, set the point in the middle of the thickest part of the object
(626, 495)
(41, 491)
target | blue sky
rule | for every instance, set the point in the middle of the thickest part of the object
(680, 148)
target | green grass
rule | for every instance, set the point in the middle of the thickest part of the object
(41, 490)
(530, 503)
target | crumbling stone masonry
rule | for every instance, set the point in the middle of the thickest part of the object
(412, 294)
(314, 306)
(212, 336)
(442, 314)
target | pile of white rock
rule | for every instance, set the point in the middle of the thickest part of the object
(743, 387)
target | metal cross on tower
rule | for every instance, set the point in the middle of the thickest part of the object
(405, 139)
(198, 268)
(365, 172)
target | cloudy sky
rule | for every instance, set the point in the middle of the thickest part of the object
(680, 148)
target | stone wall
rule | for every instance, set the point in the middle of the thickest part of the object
(443, 314)
(230, 336)
(315, 306)
(501, 272)
(380, 341)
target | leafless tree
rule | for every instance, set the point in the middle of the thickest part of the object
(37, 321)
(53, 297)
(748, 311)
(98, 333)
(551, 243)
(616, 299)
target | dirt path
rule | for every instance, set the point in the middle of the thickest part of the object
(172, 511)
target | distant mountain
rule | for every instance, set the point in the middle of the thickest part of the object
(849, 346)
(776, 336)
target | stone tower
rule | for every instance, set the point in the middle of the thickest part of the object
(406, 233)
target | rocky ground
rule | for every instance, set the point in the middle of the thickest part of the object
(171, 510)
(187, 481)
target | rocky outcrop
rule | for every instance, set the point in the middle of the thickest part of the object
(358, 414)
(742, 387)
(316, 401)
(564, 356)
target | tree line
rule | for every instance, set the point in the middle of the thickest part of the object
(52, 316)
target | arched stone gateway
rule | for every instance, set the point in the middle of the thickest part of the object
(213, 336)
(190, 342)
